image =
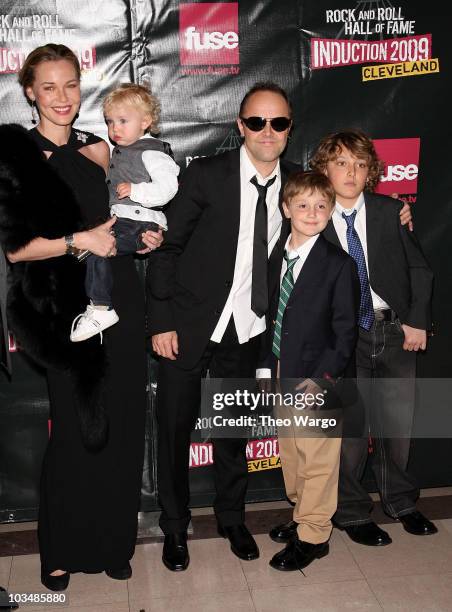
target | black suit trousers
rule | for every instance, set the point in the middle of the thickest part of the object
(178, 401)
(390, 407)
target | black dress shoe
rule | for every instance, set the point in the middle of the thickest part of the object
(417, 524)
(242, 542)
(298, 554)
(175, 552)
(368, 534)
(284, 533)
(55, 583)
(123, 573)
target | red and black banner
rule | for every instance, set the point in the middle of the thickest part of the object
(378, 65)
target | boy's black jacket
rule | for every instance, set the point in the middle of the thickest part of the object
(398, 270)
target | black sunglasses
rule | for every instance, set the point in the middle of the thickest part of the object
(256, 124)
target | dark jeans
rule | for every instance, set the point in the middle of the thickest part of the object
(99, 279)
(389, 407)
(178, 401)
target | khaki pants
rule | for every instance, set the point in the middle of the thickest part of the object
(311, 469)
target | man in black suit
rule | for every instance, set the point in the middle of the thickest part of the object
(395, 315)
(208, 297)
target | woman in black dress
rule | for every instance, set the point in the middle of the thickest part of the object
(89, 498)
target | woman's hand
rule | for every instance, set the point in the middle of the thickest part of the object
(152, 239)
(100, 240)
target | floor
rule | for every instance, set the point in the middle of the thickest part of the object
(413, 573)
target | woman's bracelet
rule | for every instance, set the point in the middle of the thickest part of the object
(80, 254)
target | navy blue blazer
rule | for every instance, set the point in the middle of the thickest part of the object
(320, 323)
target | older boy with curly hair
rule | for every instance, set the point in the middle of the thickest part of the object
(395, 315)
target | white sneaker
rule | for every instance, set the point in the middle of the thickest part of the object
(91, 322)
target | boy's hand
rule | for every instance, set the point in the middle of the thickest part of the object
(309, 386)
(123, 190)
(166, 345)
(415, 339)
(264, 385)
(406, 217)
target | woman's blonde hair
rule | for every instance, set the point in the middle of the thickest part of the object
(139, 96)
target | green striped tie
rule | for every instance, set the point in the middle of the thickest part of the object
(284, 294)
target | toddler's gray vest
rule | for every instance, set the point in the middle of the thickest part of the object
(126, 166)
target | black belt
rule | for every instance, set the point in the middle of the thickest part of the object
(385, 314)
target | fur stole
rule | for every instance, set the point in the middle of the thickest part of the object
(45, 296)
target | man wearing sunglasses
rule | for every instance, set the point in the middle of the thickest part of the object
(208, 297)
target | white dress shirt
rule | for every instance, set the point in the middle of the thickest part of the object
(340, 225)
(238, 304)
(302, 252)
(163, 171)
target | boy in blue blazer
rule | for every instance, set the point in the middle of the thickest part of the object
(315, 295)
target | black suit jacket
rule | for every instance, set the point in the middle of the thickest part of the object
(398, 271)
(190, 276)
(320, 323)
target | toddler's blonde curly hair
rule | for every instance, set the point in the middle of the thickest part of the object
(138, 96)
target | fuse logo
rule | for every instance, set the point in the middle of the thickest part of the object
(210, 40)
(208, 33)
(401, 159)
(400, 173)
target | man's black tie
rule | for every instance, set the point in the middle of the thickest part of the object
(259, 288)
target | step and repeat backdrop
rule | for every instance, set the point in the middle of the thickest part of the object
(374, 64)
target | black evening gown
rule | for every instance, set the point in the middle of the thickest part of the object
(89, 501)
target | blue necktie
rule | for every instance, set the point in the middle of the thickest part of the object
(355, 249)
